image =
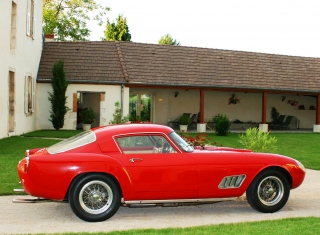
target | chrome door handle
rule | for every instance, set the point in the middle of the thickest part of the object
(135, 159)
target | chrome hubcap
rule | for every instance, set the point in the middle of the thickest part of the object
(270, 191)
(95, 197)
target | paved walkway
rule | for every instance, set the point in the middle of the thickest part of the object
(54, 217)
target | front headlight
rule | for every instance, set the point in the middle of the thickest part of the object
(300, 165)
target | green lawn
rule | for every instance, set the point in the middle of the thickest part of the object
(291, 226)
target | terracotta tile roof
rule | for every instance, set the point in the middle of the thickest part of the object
(163, 65)
(83, 61)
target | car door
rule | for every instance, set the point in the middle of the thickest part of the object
(157, 169)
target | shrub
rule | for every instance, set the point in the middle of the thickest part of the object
(185, 119)
(118, 117)
(237, 121)
(87, 116)
(258, 141)
(221, 124)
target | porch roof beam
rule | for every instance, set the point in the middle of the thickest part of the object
(248, 90)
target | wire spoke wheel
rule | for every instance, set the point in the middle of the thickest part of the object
(270, 191)
(95, 197)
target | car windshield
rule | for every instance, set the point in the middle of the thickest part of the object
(76, 141)
(181, 143)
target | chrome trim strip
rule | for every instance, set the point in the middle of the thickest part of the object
(199, 200)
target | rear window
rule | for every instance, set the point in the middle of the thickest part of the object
(76, 141)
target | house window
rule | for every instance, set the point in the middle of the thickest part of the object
(12, 101)
(13, 26)
(29, 95)
(31, 18)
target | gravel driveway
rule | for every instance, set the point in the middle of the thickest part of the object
(57, 217)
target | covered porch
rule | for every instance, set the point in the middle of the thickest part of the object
(253, 109)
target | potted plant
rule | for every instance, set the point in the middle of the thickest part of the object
(293, 102)
(184, 122)
(234, 99)
(87, 116)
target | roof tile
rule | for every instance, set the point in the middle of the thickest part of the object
(153, 64)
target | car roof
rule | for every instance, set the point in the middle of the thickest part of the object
(121, 129)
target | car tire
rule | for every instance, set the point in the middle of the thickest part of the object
(94, 197)
(268, 192)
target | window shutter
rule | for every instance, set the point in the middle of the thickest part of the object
(28, 16)
(26, 95)
(34, 20)
(33, 104)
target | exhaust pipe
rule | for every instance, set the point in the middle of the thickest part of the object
(29, 200)
(19, 190)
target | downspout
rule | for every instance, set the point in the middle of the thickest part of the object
(121, 102)
(124, 71)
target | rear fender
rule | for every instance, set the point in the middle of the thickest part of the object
(109, 166)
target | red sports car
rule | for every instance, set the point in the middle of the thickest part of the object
(148, 164)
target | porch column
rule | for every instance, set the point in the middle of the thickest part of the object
(316, 127)
(201, 127)
(264, 126)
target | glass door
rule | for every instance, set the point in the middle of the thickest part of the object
(140, 107)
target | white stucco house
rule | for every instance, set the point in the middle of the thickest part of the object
(20, 46)
(180, 80)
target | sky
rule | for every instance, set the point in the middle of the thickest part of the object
(266, 26)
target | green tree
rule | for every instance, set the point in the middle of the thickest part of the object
(67, 19)
(58, 96)
(168, 40)
(117, 31)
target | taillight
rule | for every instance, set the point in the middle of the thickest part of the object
(24, 165)
(27, 164)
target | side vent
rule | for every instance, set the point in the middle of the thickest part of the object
(232, 181)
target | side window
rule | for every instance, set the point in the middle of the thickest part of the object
(31, 18)
(29, 95)
(13, 34)
(145, 144)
